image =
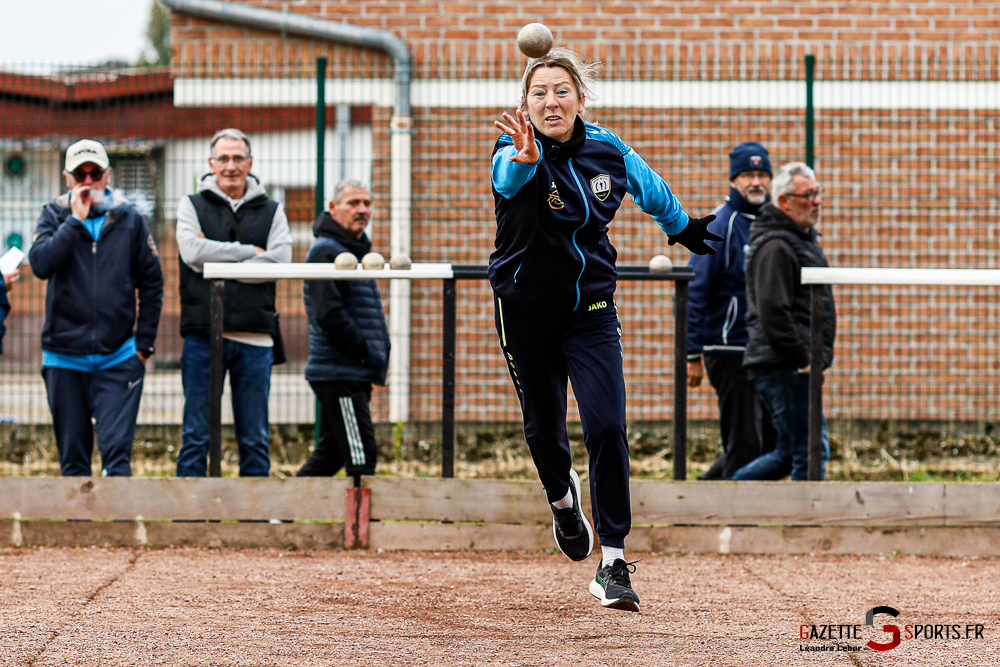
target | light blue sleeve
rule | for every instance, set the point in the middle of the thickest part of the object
(508, 177)
(652, 194)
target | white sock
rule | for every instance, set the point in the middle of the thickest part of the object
(566, 502)
(610, 554)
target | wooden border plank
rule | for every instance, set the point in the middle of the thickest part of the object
(421, 536)
(437, 499)
(840, 540)
(166, 534)
(153, 498)
(972, 504)
(788, 503)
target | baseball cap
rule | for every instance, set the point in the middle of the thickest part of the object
(748, 156)
(86, 150)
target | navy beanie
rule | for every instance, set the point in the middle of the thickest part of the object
(749, 156)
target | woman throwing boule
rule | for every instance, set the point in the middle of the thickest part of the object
(557, 184)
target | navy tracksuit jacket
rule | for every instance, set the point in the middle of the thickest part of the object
(717, 306)
(553, 277)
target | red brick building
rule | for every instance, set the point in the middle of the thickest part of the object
(907, 100)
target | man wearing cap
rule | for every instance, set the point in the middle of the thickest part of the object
(97, 253)
(231, 219)
(717, 332)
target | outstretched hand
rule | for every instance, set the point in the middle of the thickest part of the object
(693, 236)
(522, 133)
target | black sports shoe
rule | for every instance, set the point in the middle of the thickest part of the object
(570, 526)
(613, 587)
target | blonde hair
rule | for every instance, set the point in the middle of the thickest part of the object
(580, 72)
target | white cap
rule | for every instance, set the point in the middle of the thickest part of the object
(86, 150)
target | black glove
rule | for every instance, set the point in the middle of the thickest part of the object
(693, 236)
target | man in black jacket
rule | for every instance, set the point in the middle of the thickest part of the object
(230, 220)
(96, 251)
(783, 239)
(348, 340)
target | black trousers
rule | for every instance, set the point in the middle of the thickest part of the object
(346, 433)
(745, 425)
(543, 350)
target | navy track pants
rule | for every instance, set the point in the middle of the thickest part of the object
(542, 350)
(102, 403)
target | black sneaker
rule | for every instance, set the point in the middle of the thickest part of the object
(613, 587)
(570, 526)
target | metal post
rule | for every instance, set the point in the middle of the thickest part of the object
(320, 183)
(320, 133)
(816, 383)
(680, 378)
(216, 376)
(810, 126)
(448, 380)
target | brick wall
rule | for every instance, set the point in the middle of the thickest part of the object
(906, 187)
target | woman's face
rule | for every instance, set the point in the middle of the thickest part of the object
(553, 102)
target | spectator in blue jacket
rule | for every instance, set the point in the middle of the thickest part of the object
(348, 340)
(558, 183)
(96, 251)
(6, 283)
(717, 329)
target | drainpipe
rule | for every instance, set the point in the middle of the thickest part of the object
(400, 140)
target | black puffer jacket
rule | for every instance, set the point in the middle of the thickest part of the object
(778, 304)
(348, 336)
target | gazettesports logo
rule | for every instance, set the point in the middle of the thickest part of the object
(837, 633)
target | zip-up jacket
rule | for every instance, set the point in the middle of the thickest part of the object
(90, 301)
(552, 216)
(717, 305)
(348, 336)
(778, 313)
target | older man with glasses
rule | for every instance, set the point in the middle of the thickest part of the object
(231, 219)
(783, 239)
(97, 253)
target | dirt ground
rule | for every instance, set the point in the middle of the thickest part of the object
(266, 607)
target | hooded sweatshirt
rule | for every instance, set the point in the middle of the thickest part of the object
(233, 229)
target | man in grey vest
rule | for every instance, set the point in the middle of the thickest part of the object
(348, 340)
(231, 219)
(783, 239)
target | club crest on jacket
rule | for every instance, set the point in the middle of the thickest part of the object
(601, 185)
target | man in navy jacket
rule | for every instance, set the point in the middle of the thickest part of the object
(717, 331)
(96, 251)
(348, 340)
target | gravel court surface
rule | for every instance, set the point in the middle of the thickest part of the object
(268, 607)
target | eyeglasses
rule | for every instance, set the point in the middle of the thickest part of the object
(237, 160)
(808, 195)
(80, 174)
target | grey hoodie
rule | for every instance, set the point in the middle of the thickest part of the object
(195, 251)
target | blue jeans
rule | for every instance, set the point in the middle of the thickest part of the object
(786, 396)
(250, 380)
